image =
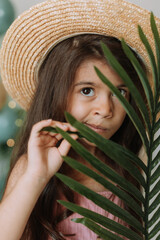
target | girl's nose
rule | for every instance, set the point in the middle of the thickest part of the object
(104, 107)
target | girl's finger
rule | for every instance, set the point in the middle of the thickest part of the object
(64, 125)
(38, 126)
(44, 133)
(65, 145)
(47, 141)
(36, 130)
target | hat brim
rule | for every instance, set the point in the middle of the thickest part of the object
(33, 34)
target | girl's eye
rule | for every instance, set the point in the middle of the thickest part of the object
(122, 91)
(87, 92)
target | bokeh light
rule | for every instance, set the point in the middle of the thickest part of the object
(12, 104)
(10, 143)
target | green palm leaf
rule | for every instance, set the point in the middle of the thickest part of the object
(108, 185)
(99, 165)
(144, 80)
(154, 231)
(105, 145)
(156, 160)
(104, 221)
(155, 217)
(156, 127)
(127, 80)
(154, 191)
(155, 175)
(151, 56)
(101, 201)
(118, 228)
(101, 232)
(129, 109)
(157, 45)
(157, 108)
(156, 143)
(145, 203)
(154, 204)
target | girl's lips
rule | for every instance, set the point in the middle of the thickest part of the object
(96, 128)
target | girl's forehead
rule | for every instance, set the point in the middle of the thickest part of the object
(86, 72)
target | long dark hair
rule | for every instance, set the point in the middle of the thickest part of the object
(56, 77)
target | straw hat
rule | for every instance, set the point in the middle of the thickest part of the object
(34, 33)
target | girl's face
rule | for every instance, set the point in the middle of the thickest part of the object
(91, 101)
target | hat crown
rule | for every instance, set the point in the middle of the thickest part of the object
(35, 32)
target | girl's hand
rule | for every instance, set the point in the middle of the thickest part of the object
(44, 158)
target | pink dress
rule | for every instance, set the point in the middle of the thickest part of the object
(79, 231)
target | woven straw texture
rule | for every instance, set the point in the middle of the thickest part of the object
(37, 30)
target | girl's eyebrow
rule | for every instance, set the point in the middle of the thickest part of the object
(84, 83)
(93, 84)
(121, 85)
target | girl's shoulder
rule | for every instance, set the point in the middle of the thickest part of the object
(15, 174)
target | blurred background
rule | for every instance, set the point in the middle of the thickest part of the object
(11, 115)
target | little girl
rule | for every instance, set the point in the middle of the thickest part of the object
(47, 64)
